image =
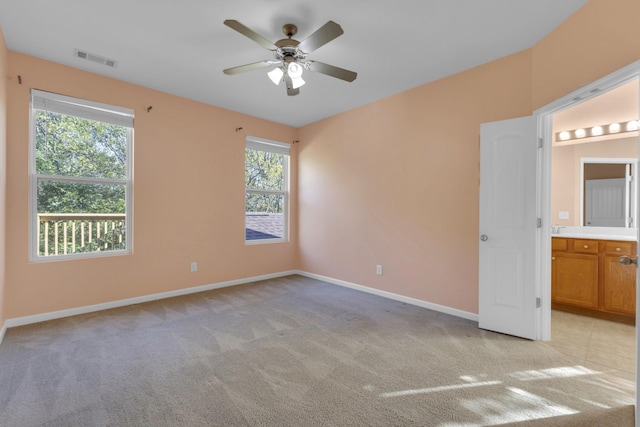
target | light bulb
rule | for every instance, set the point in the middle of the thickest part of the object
(597, 131)
(276, 75)
(580, 133)
(614, 128)
(632, 125)
(297, 82)
(295, 70)
(564, 135)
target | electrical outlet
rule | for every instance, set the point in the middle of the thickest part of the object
(194, 267)
(379, 270)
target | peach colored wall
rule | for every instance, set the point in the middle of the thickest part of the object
(396, 183)
(601, 37)
(3, 169)
(566, 162)
(563, 186)
(188, 182)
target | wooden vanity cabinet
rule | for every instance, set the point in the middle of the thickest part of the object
(587, 278)
(619, 280)
(576, 280)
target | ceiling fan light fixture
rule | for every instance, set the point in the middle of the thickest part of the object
(297, 82)
(276, 75)
(294, 70)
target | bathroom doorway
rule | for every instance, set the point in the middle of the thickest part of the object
(593, 167)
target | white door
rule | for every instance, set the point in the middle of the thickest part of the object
(508, 226)
(605, 202)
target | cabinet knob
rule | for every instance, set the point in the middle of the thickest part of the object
(586, 246)
(618, 249)
(553, 258)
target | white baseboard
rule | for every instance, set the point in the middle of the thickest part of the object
(2, 331)
(27, 320)
(391, 295)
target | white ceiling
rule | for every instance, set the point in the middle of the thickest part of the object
(181, 47)
(617, 105)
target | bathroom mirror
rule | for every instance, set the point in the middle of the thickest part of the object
(608, 192)
(589, 183)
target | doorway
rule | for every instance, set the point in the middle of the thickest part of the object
(585, 129)
(599, 194)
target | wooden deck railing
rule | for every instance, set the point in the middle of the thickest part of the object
(60, 234)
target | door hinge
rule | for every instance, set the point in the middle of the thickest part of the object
(538, 302)
(539, 223)
(540, 142)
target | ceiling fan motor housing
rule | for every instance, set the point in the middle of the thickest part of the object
(289, 30)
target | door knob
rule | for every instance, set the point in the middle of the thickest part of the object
(484, 237)
(625, 260)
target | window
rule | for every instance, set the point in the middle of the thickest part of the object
(80, 177)
(266, 175)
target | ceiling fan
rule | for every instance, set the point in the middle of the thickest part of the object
(291, 55)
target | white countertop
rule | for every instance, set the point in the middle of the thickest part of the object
(595, 236)
(596, 233)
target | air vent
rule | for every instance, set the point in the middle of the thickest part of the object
(95, 58)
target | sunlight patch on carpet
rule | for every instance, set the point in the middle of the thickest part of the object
(438, 389)
(560, 372)
(513, 406)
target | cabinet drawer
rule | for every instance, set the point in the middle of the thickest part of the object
(585, 246)
(618, 248)
(559, 244)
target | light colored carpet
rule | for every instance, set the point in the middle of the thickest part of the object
(293, 352)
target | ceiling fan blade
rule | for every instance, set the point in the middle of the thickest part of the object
(249, 67)
(330, 70)
(322, 36)
(248, 32)
(290, 90)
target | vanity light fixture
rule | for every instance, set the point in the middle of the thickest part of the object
(600, 130)
(564, 135)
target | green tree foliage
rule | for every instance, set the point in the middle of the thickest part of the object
(76, 147)
(264, 171)
(68, 146)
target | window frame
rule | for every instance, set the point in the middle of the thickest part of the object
(261, 144)
(91, 110)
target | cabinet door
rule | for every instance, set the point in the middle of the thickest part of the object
(619, 286)
(576, 279)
